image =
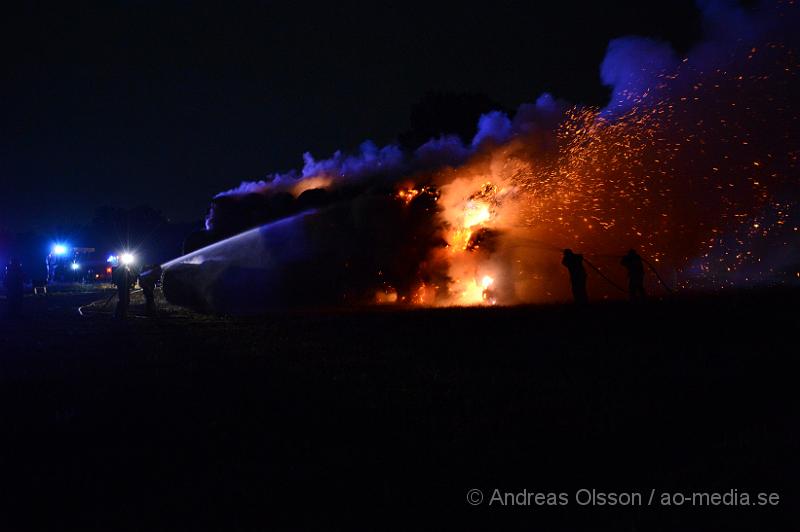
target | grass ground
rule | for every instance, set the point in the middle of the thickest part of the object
(383, 419)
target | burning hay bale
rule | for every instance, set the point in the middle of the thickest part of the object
(693, 163)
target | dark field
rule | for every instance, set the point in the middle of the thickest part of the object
(379, 419)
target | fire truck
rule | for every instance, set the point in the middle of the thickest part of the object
(68, 264)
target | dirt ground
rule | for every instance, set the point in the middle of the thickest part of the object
(376, 419)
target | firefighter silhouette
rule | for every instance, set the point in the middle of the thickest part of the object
(577, 275)
(124, 278)
(147, 281)
(633, 263)
(14, 283)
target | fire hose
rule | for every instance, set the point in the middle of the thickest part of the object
(660, 280)
(609, 281)
(105, 303)
(550, 247)
(649, 265)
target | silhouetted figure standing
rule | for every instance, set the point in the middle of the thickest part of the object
(147, 281)
(124, 278)
(633, 263)
(577, 275)
(14, 282)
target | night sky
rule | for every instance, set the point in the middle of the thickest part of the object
(167, 103)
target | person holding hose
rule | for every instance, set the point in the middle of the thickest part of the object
(573, 262)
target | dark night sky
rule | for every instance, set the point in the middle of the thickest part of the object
(166, 103)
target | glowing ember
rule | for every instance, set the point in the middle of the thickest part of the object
(476, 213)
(311, 183)
(386, 296)
(475, 293)
(407, 195)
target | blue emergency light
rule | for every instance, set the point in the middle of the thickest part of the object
(60, 249)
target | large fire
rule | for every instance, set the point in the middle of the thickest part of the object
(703, 197)
(693, 163)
